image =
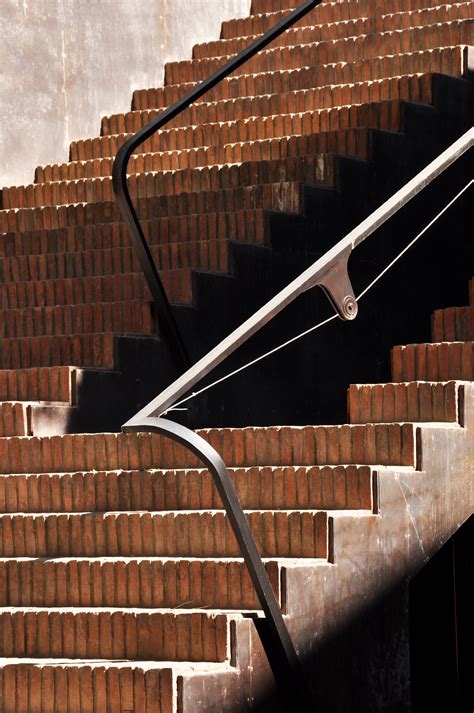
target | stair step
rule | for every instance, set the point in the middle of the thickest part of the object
(269, 193)
(157, 534)
(115, 634)
(413, 87)
(131, 317)
(371, 444)
(203, 255)
(49, 384)
(83, 290)
(433, 362)
(454, 324)
(444, 60)
(258, 488)
(382, 115)
(131, 582)
(171, 234)
(348, 49)
(90, 686)
(38, 419)
(93, 350)
(414, 402)
(352, 141)
(340, 10)
(314, 31)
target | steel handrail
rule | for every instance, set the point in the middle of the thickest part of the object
(329, 272)
(163, 312)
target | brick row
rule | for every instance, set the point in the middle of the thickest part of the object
(126, 582)
(347, 7)
(121, 634)
(87, 687)
(92, 350)
(344, 50)
(445, 60)
(455, 324)
(50, 384)
(258, 488)
(372, 444)
(85, 290)
(171, 235)
(119, 317)
(415, 401)
(279, 195)
(309, 31)
(407, 88)
(204, 255)
(433, 362)
(404, 15)
(156, 534)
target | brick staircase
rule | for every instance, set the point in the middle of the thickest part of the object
(121, 584)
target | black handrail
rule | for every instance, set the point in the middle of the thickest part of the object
(330, 273)
(163, 312)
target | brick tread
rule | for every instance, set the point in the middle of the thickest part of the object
(371, 444)
(433, 362)
(267, 487)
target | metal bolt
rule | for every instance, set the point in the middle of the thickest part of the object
(349, 307)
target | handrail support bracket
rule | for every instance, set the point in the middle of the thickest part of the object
(336, 283)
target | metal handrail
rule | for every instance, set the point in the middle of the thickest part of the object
(330, 273)
(164, 313)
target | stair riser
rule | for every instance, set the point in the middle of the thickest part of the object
(298, 534)
(414, 402)
(47, 384)
(120, 635)
(89, 689)
(95, 350)
(138, 583)
(455, 324)
(296, 488)
(433, 362)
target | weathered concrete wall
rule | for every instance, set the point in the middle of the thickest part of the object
(65, 63)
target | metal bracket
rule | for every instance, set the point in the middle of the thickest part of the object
(336, 284)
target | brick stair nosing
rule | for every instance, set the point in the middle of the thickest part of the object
(443, 361)
(47, 384)
(454, 324)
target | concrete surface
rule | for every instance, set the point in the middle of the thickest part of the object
(65, 63)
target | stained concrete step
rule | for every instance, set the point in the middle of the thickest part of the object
(382, 115)
(446, 60)
(132, 317)
(433, 362)
(258, 488)
(115, 634)
(314, 31)
(280, 533)
(343, 50)
(142, 582)
(414, 401)
(371, 444)
(454, 324)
